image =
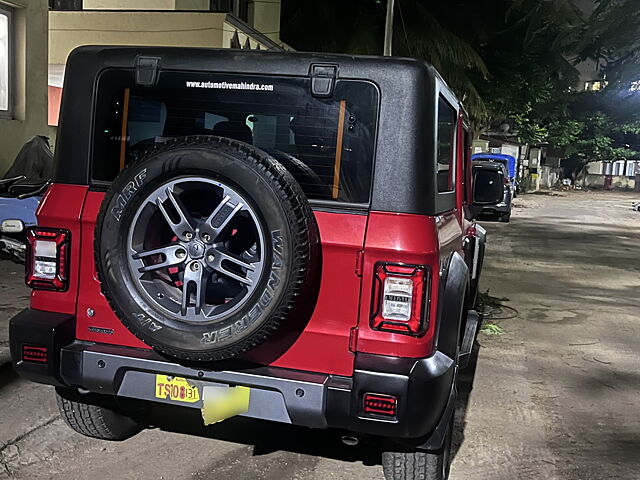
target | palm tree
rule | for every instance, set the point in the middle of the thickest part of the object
(358, 27)
(420, 34)
(502, 57)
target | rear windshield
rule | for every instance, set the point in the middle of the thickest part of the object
(328, 145)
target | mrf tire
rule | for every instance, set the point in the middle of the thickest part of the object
(291, 240)
(95, 416)
(418, 465)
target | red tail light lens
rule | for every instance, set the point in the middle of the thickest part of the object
(400, 299)
(47, 265)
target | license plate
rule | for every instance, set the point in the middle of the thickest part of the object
(177, 389)
(220, 403)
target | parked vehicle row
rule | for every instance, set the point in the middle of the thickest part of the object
(502, 210)
(282, 236)
(507, 165)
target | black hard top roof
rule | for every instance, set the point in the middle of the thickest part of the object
(405, 171)
(487, 164)
(254, 61)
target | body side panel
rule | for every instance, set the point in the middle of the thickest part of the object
(398, 238)
(323, 344)
(61, 207)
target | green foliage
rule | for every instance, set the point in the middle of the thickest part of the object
(491, 329)
(593, 136)
(484, 299)
(527, 51)
(611, 38)
(506, 59)
(600, 126)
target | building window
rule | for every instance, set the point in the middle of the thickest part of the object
(243, 10)
(225, 6)
(594, 85)
(6, 62)
(65, 5)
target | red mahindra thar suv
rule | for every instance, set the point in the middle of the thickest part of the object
(287, 237)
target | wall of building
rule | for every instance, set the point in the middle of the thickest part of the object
(618, 182)
(30, 79)
(549, 176)
(231, 30)
(192, 4)
(595, 168)
(265, 17)
(145, 5)
(68, 30)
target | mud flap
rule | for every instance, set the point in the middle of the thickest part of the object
(470, 332)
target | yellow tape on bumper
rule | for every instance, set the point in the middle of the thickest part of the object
(220, 403)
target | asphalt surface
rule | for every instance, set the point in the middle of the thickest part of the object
(555, 396)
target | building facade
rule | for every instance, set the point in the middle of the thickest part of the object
(243, 24)
(23, 75)
(36, 37)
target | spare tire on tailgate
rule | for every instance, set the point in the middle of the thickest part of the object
(203, 246)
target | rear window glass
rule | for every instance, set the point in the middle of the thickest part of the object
(487, 186)
(326, 144)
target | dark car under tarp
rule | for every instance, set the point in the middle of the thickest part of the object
(34, 161)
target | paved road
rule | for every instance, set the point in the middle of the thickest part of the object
(14, 295)
(556, 396)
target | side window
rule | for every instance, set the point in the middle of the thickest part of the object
(466, 165)
(445, 139)
(146, 119)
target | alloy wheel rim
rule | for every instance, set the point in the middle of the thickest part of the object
(196, 248)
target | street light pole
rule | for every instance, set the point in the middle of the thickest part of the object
(388, 29)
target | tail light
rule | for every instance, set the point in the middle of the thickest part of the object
(506, 180)
(47, 265)
(400, 299)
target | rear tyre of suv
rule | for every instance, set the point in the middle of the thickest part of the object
(96, 416)
(402, 465)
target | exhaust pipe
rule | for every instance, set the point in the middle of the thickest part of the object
(350, 440)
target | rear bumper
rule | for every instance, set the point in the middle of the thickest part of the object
(423, 387)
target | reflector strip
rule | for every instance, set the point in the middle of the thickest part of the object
(380, 404)
(31, 353)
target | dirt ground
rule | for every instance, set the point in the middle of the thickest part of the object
(555, 396)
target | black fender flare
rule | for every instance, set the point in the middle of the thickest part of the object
(453, 291)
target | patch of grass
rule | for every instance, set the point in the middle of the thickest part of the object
(491, 329)
(484, 298)
(493, 308)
